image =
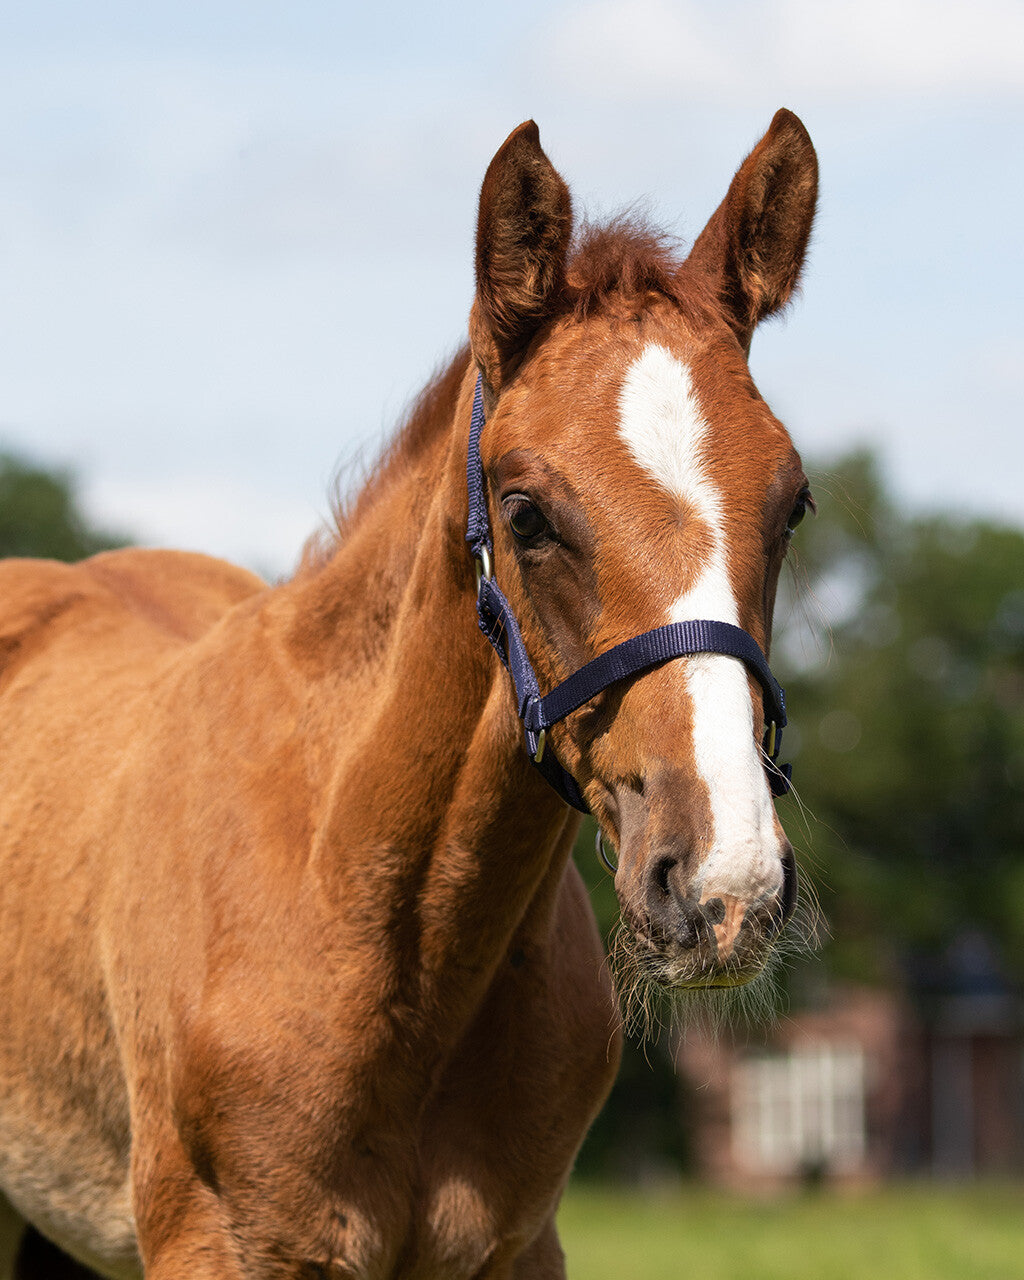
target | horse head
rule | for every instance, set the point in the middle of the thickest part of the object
(636, 478)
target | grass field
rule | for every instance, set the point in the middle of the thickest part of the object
(896, 1233)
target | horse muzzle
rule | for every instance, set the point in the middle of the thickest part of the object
(702, 929)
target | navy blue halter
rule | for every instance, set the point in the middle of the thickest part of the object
(641, 653)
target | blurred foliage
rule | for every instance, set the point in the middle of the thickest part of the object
(900, 640)
(40, 515)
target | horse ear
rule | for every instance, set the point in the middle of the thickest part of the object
(522, 241)
(753, 247)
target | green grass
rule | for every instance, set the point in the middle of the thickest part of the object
(893, 1233)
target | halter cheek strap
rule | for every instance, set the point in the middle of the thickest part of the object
(641, 653)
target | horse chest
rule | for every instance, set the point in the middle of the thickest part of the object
(352, 1178)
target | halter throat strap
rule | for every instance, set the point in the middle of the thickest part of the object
(633, 657)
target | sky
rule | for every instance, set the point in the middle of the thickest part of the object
(236, 238)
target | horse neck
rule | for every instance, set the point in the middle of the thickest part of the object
(434, 822)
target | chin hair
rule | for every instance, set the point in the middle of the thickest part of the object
(657, 994)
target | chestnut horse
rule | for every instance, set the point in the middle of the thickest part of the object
(298, 977)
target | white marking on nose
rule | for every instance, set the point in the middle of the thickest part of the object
(664, 427)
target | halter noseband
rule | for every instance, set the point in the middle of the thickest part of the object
(641, 653)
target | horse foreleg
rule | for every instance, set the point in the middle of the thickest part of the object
(198, 1249)
(198, 1260)
(179, 1221)
(543, 1259)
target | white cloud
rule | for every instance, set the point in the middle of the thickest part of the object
(828, 49)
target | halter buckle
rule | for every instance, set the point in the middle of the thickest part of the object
(484, 568)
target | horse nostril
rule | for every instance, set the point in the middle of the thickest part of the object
(673, 915)
(662, 871)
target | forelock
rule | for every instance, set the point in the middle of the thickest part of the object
(621, 263)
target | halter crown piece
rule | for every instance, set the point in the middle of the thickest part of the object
(641, 653)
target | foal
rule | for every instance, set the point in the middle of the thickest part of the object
(298, 977)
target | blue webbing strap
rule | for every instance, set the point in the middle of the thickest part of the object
(651, 649)
(478, 530)
(498, 623)
(640, 653)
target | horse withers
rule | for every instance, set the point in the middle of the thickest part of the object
(298, 979)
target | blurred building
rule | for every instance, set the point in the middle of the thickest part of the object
(868, 1083)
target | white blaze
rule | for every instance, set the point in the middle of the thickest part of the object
(662, 423)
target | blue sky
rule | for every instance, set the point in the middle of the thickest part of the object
(236, 238)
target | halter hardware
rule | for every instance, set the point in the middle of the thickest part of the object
(602, 852)
(632, 657)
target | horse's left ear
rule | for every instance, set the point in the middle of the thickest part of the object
(753, 247)
(522, 241)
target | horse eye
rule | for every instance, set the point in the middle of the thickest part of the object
(799, 511)
(525, 520)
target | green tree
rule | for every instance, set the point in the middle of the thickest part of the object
(40, 515)
(908, 711)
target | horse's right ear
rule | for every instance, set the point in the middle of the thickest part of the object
(522, 241)
(753, 248)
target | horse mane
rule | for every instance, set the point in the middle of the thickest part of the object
(613, 266)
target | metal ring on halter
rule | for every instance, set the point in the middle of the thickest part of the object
(599, 846)
(484, 568)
